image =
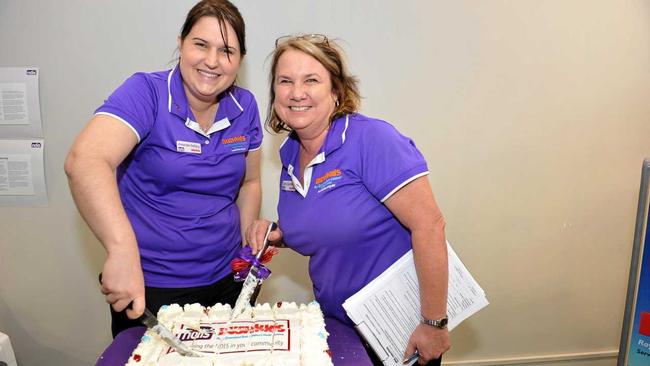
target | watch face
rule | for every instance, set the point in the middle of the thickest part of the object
(443, 322)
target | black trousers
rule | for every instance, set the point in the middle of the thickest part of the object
(224, 291)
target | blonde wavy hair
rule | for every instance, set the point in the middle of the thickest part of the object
(330, 55)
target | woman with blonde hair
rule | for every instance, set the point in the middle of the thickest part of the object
(354, 196)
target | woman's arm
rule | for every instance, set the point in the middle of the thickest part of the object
(415, 207)
(250, 193)
(90, 166)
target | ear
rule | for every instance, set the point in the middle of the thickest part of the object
(335, 97)
(180, 43)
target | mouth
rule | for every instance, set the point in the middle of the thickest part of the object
(208, 74)
(299, 108)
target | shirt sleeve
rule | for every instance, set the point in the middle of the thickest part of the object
(255, 133)
(390, 160)
(132, 103)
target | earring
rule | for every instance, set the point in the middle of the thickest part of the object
(336, 103)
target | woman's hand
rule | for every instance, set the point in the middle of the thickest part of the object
(123, 283)
(255, 235)
(430, 342)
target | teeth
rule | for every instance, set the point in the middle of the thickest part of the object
(208, 74)
(299, 108)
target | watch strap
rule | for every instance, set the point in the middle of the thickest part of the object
(437, 323)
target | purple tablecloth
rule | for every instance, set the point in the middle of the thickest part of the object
(344, 343)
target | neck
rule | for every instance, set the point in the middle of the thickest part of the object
(205, 116)
(203, 111)
(312, 143)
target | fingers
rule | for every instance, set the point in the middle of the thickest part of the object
(275, 235)
(423, 360)
(104, 291)
(424, 357)
(137, 309)
(252, 233)
(118, 305)
(410, 349)
(122, 283)
(429, 342)
(111, 298)
(256, 232)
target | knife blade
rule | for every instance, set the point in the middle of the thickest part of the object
(252, 279)
(151, 322)
(166, 335)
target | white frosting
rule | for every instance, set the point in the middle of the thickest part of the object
(283, 334)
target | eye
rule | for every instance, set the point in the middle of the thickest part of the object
(311, 81)
(226, 51)
(200, 44)
(284, 81)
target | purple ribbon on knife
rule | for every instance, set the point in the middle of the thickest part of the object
(246, 255)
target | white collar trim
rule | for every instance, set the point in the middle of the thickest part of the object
(236, 102)
(217, 126)
(304, 188)
(169, 90)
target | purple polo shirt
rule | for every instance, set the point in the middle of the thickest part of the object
(179, 184)
(338, 218)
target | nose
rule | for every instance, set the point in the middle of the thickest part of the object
(212, 59)
(298, 92)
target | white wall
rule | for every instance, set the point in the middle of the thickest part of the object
(533, 116)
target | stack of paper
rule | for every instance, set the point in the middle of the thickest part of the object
(387, 310)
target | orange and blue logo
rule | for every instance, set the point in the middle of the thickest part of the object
(236, 143)
(328, 180)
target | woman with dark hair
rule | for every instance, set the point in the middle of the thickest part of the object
(354, 196)
(167, 173)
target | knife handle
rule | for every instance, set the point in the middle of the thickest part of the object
(271, 227)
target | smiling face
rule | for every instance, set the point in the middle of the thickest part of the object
(207, 63)
(304, 98)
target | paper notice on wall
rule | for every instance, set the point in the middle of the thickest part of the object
(16, 175)
(20, 111)
(22, 174)
(13, 104)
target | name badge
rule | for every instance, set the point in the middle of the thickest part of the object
(188, 147)
(287, 185)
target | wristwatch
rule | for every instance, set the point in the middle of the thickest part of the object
(437, 323)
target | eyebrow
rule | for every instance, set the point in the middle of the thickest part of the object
(305, 76)
(204, 41)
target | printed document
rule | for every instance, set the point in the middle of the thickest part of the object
(22, 173)
(387, 309)
(20, 111)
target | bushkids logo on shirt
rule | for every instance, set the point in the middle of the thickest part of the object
(327, 180)
(236, 143)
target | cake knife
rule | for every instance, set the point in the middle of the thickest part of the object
(165, 334)
(252, 279)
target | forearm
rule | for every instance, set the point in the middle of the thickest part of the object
(430, 256)
(249, 203)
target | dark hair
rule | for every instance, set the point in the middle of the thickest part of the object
(225, 12)
(329, 54)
